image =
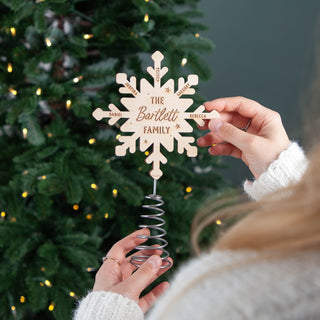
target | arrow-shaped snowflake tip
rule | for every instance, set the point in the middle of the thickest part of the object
(156, 114)
(114, 114)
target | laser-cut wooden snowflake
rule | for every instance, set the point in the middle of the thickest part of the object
(156, 115)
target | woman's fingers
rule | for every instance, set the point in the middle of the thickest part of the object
(245, 130)
(245, 107)
(149, 299)
(121, 248)
(218, 147)
(117, 273)
(227, 132)
(139, 280)
(260, 116)
(225, 149)
(208, 140)
(127, 267)
(142, 278)
(146, 274)
(232, 117)
(110, 272)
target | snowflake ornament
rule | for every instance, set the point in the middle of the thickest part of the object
(157, 115)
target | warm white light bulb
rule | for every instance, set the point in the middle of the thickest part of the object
(24, 133)
(68, 104)
(88, 36)
(9, 67)
(13, 31)
(48, 42)
(13, 92)
(51, 306)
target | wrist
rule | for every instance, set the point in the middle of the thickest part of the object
(286, 169)
(108, 305)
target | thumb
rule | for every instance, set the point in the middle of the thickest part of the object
(229, 133)
(145, 274)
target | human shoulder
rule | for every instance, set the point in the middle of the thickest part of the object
(239, 285)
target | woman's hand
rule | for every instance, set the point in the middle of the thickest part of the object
(116, 273)
(246, 130)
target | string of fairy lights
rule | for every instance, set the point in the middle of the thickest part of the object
(68, 105)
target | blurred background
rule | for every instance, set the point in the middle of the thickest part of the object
(264, 50)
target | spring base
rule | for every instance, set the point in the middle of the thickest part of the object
(156, 232)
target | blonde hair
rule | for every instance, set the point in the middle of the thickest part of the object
(287, 220)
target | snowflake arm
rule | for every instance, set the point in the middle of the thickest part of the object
(184, 143)
(128, 86)
(198, 115)
(157, 72)
(156, 157)
(114, 114)
(129, 142)
(185, 87)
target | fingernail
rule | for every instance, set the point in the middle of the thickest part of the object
(155, 261)
(214, 125)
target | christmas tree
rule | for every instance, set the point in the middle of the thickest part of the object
(65, 197)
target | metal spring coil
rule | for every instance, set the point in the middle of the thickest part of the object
(156, 233)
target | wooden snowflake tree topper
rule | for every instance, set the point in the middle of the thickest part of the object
(156, 115)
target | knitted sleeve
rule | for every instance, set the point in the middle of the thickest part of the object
(289, 167)
(102, 305)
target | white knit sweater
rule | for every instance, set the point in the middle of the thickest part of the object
(231, 284)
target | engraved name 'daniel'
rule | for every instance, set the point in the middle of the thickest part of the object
(159, 115)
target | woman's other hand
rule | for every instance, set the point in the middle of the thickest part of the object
(246, 130)
(117, 273)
